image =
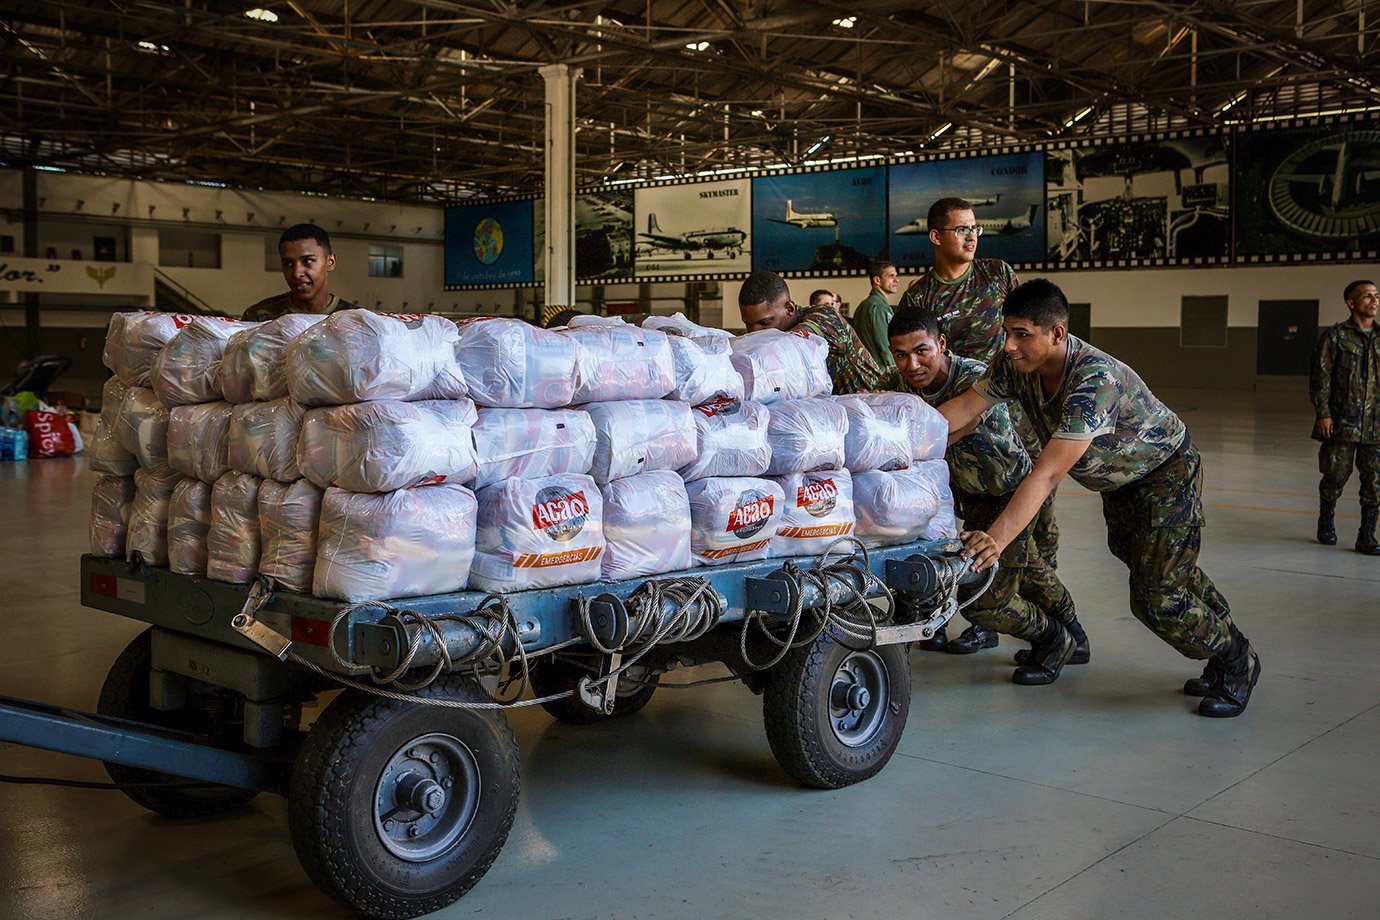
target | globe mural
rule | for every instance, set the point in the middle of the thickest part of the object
(488, 240)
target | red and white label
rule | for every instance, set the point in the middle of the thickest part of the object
(821, 530)
(557, 511)
(547, 560)
(733, 550)
(818, 490)
(751, 513)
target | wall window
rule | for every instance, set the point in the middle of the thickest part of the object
(385, 261)
(185, 248)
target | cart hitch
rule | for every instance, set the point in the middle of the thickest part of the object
(265, 637)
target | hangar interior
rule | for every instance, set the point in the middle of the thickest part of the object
(151, 152)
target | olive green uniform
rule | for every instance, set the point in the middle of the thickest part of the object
(870, 320)
(1345, 387)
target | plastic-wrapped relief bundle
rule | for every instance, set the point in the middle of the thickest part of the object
(148, 516)
(782, 365)
(185, 370)
(512, 364)
(532, 443)
(806, 435)
(112, 353)
(730, 440)
(111, 501)
(677, 324)
(141, 339)
(199, 440)
(878, 438)
(232, 542)
(819, 510)
(387, 445)
(733, 518)
(640, 435)
(252, 369)
(646, 525)
(537, 533)
(105, 453)
(904, 505)
(397, 544)
(357, 355)
(620, 362)
(703, 370)
(289, 513)
(189, 522)
(929, 430)
(262, 439)
(143, 429)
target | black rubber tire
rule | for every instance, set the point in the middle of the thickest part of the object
(125, 695)
(796, 709)
(552, 675)
(335, 782)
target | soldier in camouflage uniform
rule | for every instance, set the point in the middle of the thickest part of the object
(1102, 425)
(965, 294)
(305, 250)
(765, 303)
(1026, 598)
(1345, 386)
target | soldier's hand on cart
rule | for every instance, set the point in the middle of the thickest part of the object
(1324, 428)
(981, 548)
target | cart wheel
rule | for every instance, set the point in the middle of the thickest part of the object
(834, 716)
(125, 695)
(553, 675)
(396, 809)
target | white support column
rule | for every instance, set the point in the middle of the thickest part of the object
(560, 183)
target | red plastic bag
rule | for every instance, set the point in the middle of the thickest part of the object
(49, 435)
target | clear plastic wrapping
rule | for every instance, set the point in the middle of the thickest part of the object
(509, 363)
(396, 544)
(386, 445)
(880, 437)
(532, 443)
(199, 440)
(620, 362)
(357, 355)
(111, 502)
(289, 513)
(646, 525)
(148, 516)
(819, 510)
(733, 518)
(806, 435)
(142, 429)
(677, 324)
(537, 533)
(640, 435)
(929, 430)
(252, 368)
(904, 505)
(113, 351)
(189, 522)
(142, 337)
(105, 453)
(703, 370)
(184, 372)
(782, 365)
(232, 542)
(262, 439)
(730, 440)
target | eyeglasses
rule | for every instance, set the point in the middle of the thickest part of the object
(966, 232)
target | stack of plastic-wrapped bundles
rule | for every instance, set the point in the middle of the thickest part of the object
(113, 498)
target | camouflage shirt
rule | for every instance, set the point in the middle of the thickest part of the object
(281, 304)
(968, 307)
(1101, 400)
(990, 459)
(851, 366)
(1345, 382)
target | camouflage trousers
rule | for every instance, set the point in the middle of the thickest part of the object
(1154, 526)
(1335, 460)
(1025, 592)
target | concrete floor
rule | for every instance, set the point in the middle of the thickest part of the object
(1100, 796)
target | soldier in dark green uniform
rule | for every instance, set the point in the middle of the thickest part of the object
(873, 314)
(1026, 598)
(1101, 424)
(1345, 386)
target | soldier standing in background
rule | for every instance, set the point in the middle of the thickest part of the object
(307, 262)
(1345, 386)
(874, 313)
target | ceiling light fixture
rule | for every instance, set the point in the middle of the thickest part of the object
(847, 22)
(697, 46)
(262, 15)
(819, 143)
(149, 47)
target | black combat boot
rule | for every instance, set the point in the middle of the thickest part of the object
(1236, 672)
(971, 640)
(1200, 686)
(1365, 537)
(1048, 655)
(1327, 525)
(935, 643)
(1082, 654)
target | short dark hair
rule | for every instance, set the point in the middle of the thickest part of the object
(814, 295)
(941, 209)
(1040, 301)
(913, 319)
(1352, 287)
(762, 287)
(306, 232)
(876, 268)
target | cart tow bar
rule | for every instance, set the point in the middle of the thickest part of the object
(606, 625)
(930, 576)
(262, 635)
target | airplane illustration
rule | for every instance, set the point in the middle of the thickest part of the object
(804, 221)
(1000, 226)
(725, 239)
(984, 202)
